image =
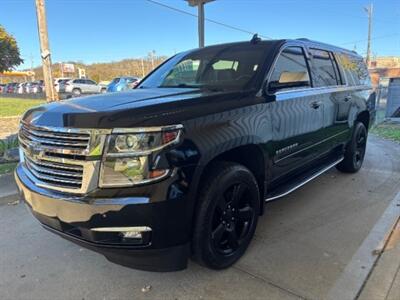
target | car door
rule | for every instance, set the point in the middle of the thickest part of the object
(297, 115)
(334, 95)
(92, 86)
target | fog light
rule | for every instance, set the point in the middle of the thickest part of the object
(128, 232)
(131, 235)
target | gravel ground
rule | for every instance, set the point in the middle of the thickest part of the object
(8, 126)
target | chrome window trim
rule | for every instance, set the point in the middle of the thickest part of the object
(318, 91)
(344, 87)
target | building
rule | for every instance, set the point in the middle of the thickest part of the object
(384, 67)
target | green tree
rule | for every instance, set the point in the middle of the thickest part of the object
(9, 51)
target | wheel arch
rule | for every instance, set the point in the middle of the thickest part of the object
(364, 117)
(251, 156)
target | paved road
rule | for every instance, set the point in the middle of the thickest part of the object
(302, 245)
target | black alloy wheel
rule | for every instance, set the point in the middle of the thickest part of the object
(227, 214)
(232, 219)
(355, 150)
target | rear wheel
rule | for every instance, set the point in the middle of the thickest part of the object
(229, 205)
(355, 151)
(76, 92)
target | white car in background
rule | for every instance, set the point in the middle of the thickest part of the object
(58, 82)
(83, 86)
(21, 88)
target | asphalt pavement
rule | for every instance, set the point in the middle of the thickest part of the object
(304, 246)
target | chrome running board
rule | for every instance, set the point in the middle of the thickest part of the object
(306, 180)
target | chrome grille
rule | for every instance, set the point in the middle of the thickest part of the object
(54, 139)
(56, 173)
(62, 159)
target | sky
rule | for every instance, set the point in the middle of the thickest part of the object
(110, 30)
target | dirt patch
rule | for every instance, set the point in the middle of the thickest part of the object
(8, 126)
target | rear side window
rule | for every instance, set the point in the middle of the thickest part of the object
(355, 69)
(290, 71)
(323, 71)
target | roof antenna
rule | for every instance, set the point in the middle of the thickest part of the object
(255, 39)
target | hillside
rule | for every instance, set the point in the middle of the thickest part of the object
(107, 71)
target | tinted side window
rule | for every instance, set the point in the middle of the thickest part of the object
(290, 71)
(355, 69)
(323, 70)
(362, 71)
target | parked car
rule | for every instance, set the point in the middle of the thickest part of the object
(21, 87)
(36, 87)
(83, 86)
(11, 87)
(184, 164)
(27, 88)
(123, 83)
(59, 84)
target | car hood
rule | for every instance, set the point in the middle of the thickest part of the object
(139, 107)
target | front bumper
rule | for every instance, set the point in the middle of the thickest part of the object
(165, 249)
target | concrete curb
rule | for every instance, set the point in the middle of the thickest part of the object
(349, 285)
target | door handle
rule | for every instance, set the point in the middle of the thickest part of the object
(315, 104)
(347, 99)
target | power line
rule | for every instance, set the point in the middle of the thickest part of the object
(207, 19)
(374, 38)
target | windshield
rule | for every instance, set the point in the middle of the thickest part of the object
(226, 67)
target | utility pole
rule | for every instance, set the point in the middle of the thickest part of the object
(142, 67)
(369, 12)
(152, 54)
(31, 59)
(51, 94)
(200, 18)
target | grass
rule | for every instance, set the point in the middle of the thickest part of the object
(390, 131)
(7, 168)
(10, 107)
(9, 143)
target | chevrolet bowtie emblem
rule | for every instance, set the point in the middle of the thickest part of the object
(34, 149)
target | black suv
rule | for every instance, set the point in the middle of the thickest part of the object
(184, 164)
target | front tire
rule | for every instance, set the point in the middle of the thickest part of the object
(355, 151)
(227, 214)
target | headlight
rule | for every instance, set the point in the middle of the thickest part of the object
(129, 155)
